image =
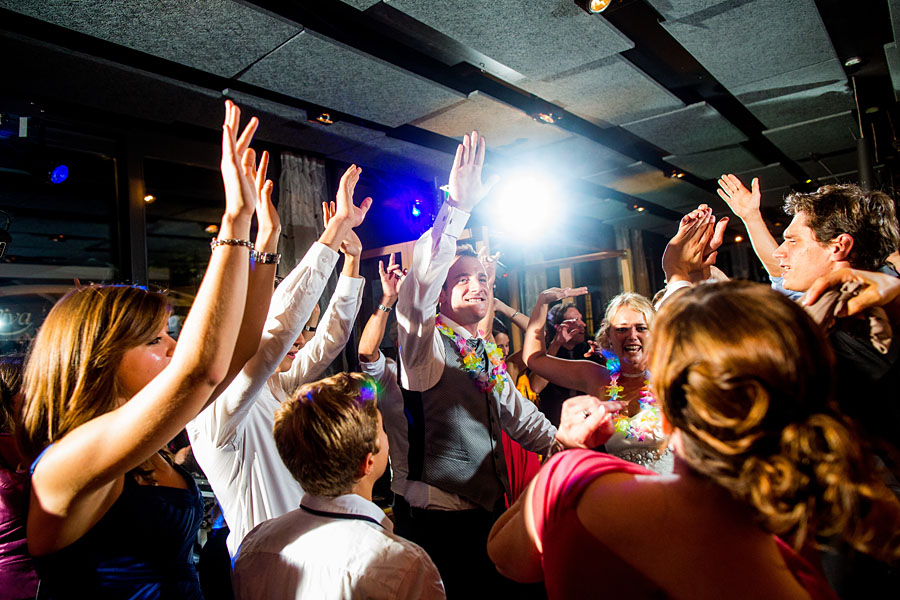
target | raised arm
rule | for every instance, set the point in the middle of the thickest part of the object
(433, 253)
(582, 375)
(373, 333)
(73, 483)
(292, 304)
(263, 264)
(744, 204)
(515, 317)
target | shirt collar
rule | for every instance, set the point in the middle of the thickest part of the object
(348, 504)
(457, 328)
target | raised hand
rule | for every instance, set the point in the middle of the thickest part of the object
(266, 214)
(346, 210)
(350, 245)
(466, 187)
(742, 202)
(586, 422)
(568, 330)
(238, 164)
(391, 279)
(553, 294)
(688, 251)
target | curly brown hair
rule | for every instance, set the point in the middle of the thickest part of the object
(326, 430)
(868, 217)
(747, 378)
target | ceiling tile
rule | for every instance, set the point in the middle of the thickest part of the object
(610, 90)
(218, 36)
(695, 128)
(536, 37)
(324, 72)
(819, 136)
(571, 158)
(713, 163)
(505, 128)
(740, 41)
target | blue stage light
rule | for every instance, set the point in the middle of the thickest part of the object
(416, 211)
(59, 174)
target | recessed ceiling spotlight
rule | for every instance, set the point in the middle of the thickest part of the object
(149, 199)
(676, 175)
(546, 118)
(212, 229)
(593, 7)
(325, 119)
(852, 61)
(738, 238)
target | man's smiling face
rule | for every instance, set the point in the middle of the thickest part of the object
(464, 295)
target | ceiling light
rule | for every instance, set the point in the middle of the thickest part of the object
(593, 6)
(149, 199)
(325, 119)
(852, 61)
(676, 175)
(212, 229)
(546, 118)
(738, 238)
(809, 181)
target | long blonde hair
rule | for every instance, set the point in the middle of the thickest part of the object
(634, 301)
(747, 378)
(70, 373)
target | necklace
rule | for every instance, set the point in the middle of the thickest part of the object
(645, 424)
(487, 379)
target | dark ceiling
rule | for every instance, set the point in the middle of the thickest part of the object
(650, 101)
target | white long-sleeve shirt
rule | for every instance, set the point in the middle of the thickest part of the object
(423, 355)
(232, 438)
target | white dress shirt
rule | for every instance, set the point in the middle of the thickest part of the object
(232, 438)
(423, 356)
(333, 549)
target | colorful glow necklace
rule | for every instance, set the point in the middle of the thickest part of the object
(645, 424)
(487, 379)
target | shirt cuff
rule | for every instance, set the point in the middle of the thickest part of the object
(451, 221)
(671, 289)
(348, 286)
(374, 368)
(320, 257)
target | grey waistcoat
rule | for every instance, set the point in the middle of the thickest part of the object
(454, 436)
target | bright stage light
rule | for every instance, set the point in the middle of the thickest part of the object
(525, 204)
(59, 174)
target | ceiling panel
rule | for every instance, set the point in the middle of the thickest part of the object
(770, 176)
(819, 136)
(800, 95)
(536, 38)
(361, 4)
(713, 163)
(203, 35)
(610, 90)
(571, 158)
(398, 156)
(506, 129)
(322, 71)
(892, 55)
(741, 41)
(894, 7)
(695, 128)
(649, 183)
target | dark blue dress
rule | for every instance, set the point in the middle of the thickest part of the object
(140, 549)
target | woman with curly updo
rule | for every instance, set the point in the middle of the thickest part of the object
(764, 465)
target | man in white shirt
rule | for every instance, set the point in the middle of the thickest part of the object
(232, 438)
(458, 398)
(338, 544)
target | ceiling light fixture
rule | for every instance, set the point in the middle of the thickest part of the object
(676, 175)
(852, 61)
(212, 229)
(325, 119)
(149, 199)
(546, 118)
(738, 238)
(593, 7)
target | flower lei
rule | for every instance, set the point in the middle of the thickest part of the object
(645, 424)
(486, 379)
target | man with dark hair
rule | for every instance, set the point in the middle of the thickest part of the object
(338, 544)
(459, 397)
(835, 227)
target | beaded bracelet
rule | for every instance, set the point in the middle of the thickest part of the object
(265, 258)
(215, 242)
